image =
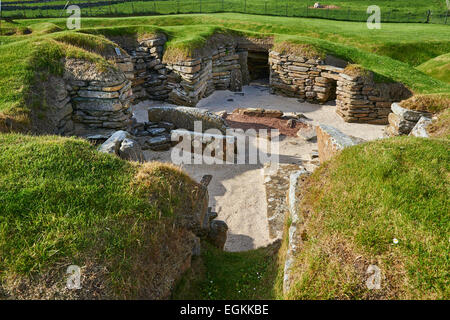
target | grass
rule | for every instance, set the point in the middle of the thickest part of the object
(354, 10)
(219, 275)
(63, 203)
(438, 67)
(354, 206)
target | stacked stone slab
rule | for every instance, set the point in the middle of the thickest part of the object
(190, 81)
(145, 69)
(100, 100)
(301, 77)
(358, 97)
(402, 120)
(194, 79)
(100, 106)
(361, 99)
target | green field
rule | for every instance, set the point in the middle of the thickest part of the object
(352, 10)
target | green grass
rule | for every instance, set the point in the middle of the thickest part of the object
(62, 203)
(219, 275)
(438, 67)
(355, 205)
(354, 10)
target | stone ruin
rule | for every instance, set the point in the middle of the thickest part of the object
(94, 104)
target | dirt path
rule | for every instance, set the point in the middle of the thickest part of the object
(237, 192)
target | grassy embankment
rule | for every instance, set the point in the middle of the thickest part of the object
(438, 67)
(354, 206)
(62, 203)
(352, 209)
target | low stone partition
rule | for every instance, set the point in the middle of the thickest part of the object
(185, 118)
(402, 121)
(358, 97)
(330, 141)
(294, 241)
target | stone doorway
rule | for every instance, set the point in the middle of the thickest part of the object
(258, 66)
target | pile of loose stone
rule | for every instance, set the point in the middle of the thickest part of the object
(358, 97)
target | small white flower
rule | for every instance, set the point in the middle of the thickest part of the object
(395, 241)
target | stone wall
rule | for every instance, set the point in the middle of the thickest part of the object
(143, 66)
(330, 141)
(181, 82)
(195, 79)
(358, 98)
(85, 101)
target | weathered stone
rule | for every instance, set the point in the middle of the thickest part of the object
(184, 117)
(218, 233)
(420, 129)
(121, 144)
(400, 124)
(330, 141)
(130, 150)
(410, 115)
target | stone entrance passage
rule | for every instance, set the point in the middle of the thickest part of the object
(258, 66)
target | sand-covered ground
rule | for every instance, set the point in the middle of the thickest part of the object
(237, 192)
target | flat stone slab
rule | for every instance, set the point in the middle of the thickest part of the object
(330, 141)
(410, 115)
(185, 118)
(420, 129)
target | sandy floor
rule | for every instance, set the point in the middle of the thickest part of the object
(237, 192)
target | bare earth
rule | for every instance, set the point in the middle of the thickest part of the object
(237, 192)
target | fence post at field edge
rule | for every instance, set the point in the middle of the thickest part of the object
(446, 17)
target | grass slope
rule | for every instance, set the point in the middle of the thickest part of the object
(353, 208)
(219, 275)
(63, 203)
(438, 67)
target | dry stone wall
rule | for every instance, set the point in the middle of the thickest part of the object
(86, 101)
(195, 79)
(358, 98)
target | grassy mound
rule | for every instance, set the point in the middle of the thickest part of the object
(354, 206)
(438, 67)
(63, 203)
